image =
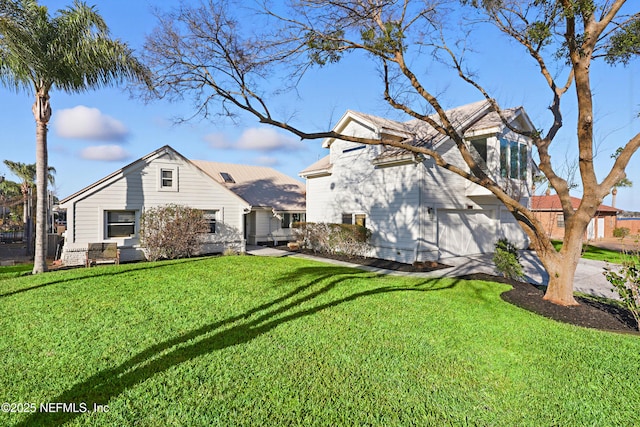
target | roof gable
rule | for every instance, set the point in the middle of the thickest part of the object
(159, 154)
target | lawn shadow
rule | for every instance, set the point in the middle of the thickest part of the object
(235, 330)
(91, 273)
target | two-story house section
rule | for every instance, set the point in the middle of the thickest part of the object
(416, 210)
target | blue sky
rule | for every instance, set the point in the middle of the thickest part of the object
(96, 133)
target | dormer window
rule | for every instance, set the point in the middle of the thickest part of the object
(226, 177)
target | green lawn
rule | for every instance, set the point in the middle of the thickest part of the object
(600, 254)
(263, 341)
(7, 272)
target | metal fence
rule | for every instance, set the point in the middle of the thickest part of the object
(11, 236)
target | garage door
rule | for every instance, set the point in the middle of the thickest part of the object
(465, 232)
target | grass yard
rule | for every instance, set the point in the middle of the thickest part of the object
(598, 254)
(7, 272)
(261, 341)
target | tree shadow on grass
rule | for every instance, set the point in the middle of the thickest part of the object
(236, 330)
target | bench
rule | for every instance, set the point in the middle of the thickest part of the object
(102, 253)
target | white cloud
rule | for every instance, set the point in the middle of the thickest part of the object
(256, 139)
(108, 153)
(267, 161)
(88, 123)
(218, 141)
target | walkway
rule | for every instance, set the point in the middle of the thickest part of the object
(588, 279)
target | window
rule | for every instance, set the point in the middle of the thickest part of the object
(480, 145)
(523, 162)
(210, 217)
(227, 178)
(504, 153)
(358, 219)
(121, 223)
(513, 146)
(166, 178)
(286, 221)
(560, 220)
(513, 159)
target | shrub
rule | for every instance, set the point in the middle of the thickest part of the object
(621, 232)
(626, 282)
(507, 260)
(348, 239)
(229, 252)
(171, 231)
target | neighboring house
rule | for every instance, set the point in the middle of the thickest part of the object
(416, 210)
(548, 210)
(254, 207)
(630, 220)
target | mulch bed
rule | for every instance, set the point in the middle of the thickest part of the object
(377, 262)
(590, 313)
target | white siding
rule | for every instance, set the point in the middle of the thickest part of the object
(510, 229)
(401, 201)
(138, 187)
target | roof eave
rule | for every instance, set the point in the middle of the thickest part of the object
(316, 173)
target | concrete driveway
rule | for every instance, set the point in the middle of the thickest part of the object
(588, 279)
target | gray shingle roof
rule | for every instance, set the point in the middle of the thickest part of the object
(466, 118)
(259, 185)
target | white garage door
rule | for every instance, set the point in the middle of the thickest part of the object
(465, 232)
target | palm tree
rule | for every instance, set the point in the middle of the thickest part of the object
(624, 182)
(9, 190)
(72, 52)
(27, 174)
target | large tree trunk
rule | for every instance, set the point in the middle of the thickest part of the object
(42, 114)
(561, 266)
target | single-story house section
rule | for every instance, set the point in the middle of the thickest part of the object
(277, 200)
(416, 210)
(241, 203)
(548, 210)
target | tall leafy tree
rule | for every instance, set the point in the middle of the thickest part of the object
(204, 50)
(72, 52)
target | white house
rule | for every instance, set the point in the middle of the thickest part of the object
(416, 210)
(242, 203)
